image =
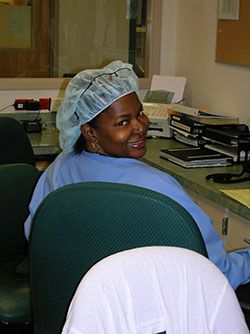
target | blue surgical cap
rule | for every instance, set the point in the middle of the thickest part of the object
(88, 94)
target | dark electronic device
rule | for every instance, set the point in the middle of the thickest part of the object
(32, 105)
(32, 126)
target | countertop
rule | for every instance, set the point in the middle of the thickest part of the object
(194, 178)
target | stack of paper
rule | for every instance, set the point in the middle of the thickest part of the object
(240, 195)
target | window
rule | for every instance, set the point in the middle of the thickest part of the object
(87, 34)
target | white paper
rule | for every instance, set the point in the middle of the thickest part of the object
(240, 195)
(228, 9)
(171, 84)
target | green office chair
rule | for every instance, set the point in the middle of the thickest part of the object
(15, 146)
(17, 182)
(79, 224)
(243, 295)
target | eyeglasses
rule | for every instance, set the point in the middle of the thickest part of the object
(110, 75)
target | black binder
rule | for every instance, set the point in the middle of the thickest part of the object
(186, 124)
(228, 134)
(234, 139)
(196, 157)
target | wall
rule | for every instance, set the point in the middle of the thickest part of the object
(218, 87)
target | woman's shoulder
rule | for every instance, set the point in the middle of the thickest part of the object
(64, 158)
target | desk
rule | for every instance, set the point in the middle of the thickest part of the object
(207, 194)
(45, 144)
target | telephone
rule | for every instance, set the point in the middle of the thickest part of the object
(231, 177)
(158, 118)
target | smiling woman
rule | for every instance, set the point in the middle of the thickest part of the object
(120, 130)
(90, 94)
(68, 37)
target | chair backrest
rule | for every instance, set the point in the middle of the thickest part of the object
(15, 146)
(171, 84)
(17, 182)
(155, 290)
(78, 225)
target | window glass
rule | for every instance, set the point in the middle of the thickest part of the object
(92, 33)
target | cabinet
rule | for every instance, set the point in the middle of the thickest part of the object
(237, 227)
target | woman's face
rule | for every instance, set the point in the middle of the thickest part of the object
(121, 129)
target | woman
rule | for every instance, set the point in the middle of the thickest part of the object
(103, 134)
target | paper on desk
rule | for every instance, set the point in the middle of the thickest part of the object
(240, 195)
(171, 84)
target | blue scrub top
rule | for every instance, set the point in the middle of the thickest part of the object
(86, 167)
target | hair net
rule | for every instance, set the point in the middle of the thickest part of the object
(88, 94)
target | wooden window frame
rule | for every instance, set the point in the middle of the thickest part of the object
(152, 59)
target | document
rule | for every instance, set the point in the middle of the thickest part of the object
(158, 96)
(15, 27)
(240, 195)
(228, 9)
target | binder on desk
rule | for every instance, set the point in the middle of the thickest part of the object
(186, 130)
(188, 138)
(188, 110)
(233, 140)
(204, 117)
(188, 125)
(228, 134)
(195, 157)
